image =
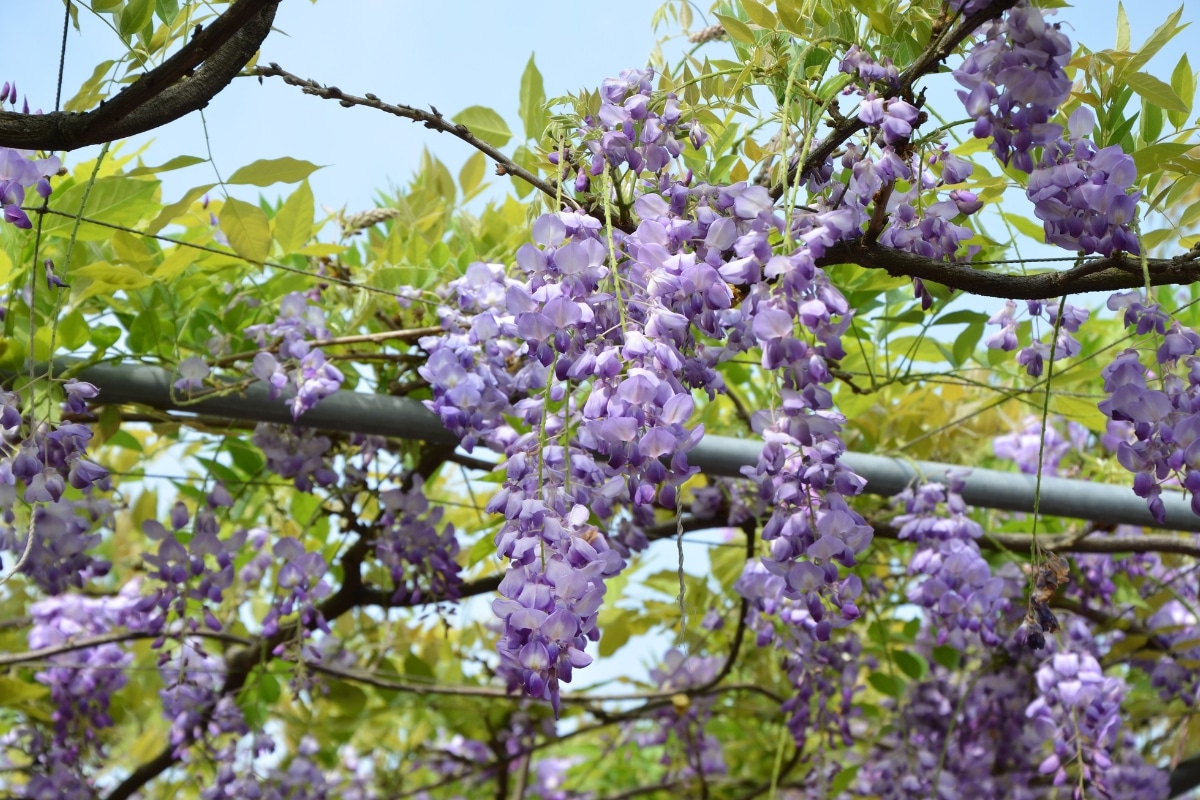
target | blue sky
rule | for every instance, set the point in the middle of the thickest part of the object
(451, 54)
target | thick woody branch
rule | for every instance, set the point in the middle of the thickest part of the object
(430, 119)
(185, 82)
(943, 44)
(1095, 275)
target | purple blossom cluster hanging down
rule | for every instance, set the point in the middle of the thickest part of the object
(1014, 83)
(590, 343)
(1034, 356)
(958, 589)
(21, 170)
(300, 367)
(1162, 409)
(51, 536)
(701, 750)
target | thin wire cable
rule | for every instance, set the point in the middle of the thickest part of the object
(62, 54)
(230, 254)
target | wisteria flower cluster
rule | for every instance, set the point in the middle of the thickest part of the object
(21, 170)
(958, 588)
(1162, 412)
(1034, 356)
(1014, 82)
(36, 467)
(701, 750)
(299, 367)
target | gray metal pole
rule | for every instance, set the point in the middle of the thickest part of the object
(403, 418)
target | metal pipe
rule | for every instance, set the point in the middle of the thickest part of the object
(404, 418)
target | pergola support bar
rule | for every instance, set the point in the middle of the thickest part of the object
(404, 418)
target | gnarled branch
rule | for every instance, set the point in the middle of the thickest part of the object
(1095, 275)
(185, 82)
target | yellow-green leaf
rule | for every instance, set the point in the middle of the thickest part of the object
(1162, 34)
(293, 225)
(470, 177)
(790, 16)
(116, 276)
(246, 227)
(1156, 91)
(532, 101)
(1122, 28)
(1149, 159)
(736, 28)
(486, 124)
(174, 264)
(1183, 83)
(118, 200)
(759, 14)
(266, 171)
(171, 212)
(135, 16)
(178, 162)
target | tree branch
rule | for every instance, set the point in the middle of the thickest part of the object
(430, 119)
(164, 94)
(1095, 275)
(939, 48)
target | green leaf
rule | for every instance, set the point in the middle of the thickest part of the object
(348, 699)
(1183, 83)
(268, 688)
(948, 657)
(104, 336)
(167, 10)
(1152, 121)
(178, 162)
(118, 200)
(247, 228)
(266, 171)
(135, 16)
(416, 668)
(73, 331)
(736, 28)
(1162, 34)
(470, 177)
(964, 345)
(293, 224)
(960, 316)
(486, 124)
(841, 782)
(174, 210)
(144, 333)
(759, 14)
(1157, 92)
(533, 101)
(889, 685)
(116, 276)
(1122, 28)
(911, 664)
(1150, 159)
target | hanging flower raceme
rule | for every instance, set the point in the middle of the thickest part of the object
(299, 366)
(36, 467)
(958, 587)
(686, 719)
(21, 170)
(1163, 413)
